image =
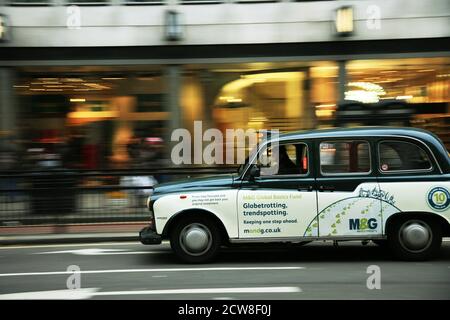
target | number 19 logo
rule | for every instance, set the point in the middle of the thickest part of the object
(439, 198)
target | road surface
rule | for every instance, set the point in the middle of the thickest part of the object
(129, 270)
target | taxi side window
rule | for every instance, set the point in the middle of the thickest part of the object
(402, 156)
(341, 157)
(288, 159)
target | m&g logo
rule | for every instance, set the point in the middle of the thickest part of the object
(363, 224)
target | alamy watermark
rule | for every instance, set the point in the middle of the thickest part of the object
(74, 280)
(373, 17)
(73, 20)
(374, 280)
(373, 21)
(212, 146)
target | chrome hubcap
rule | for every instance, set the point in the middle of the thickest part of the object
(415, 236)
(195, 239)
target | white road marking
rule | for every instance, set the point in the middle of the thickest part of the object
(100, 252)
(66, 294)
(59, 245)
(10, 247)
(204, 290)
(49, 273)
(161, 276)
(93, 292)
(125, 243)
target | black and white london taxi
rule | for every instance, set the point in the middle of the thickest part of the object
(388, 185)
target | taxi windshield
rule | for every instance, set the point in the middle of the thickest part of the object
(251, 155)
(263, 136)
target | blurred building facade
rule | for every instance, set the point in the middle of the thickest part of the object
(108, 80)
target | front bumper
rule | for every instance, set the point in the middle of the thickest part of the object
(149, 236)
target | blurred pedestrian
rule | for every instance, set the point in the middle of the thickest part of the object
(9, 161)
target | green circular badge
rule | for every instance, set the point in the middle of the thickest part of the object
(439, 198)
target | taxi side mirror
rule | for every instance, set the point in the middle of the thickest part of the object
(255, 171)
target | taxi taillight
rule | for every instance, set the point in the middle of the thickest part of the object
(305, 163)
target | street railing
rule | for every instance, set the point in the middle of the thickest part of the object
(85, 196)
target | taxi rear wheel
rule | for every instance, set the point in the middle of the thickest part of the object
(195, 239)
(415, 239)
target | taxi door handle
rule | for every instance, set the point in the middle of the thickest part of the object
(326, 188)
(305, 188)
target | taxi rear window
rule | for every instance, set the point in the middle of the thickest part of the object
(344, 157)
(402, 156)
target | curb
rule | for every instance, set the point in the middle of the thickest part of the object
(69, 238)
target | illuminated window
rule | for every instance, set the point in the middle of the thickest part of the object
(344, 21)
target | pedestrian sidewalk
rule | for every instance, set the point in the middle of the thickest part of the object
(73, 233)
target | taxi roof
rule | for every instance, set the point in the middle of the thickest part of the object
(360, 132)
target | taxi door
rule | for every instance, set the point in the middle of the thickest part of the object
(281, 202)
(347, 189)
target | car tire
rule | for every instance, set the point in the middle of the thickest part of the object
(195, 239)
(415, 239)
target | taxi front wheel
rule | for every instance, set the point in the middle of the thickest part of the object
(195, 239)
(415, 239)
